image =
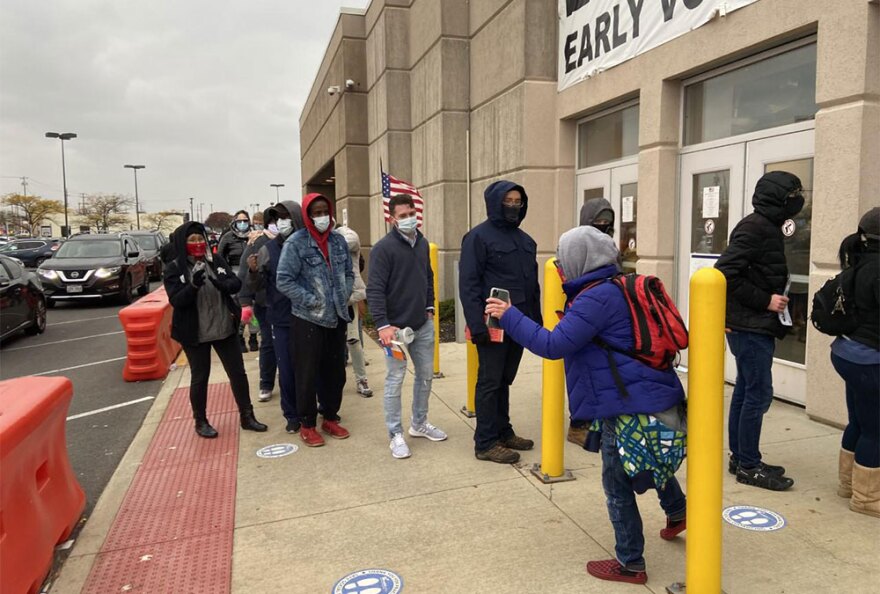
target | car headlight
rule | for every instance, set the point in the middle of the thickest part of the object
(48, 274)
(107, 272)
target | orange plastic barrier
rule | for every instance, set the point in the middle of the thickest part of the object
(40, 498)
(147, 325)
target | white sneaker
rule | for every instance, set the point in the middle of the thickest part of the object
(398, 446)
(363, 388)
(265, 395)
(428, 430)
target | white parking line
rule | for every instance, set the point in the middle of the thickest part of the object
(106, 408)
(83, 320)
(36, 346)
(79, 366)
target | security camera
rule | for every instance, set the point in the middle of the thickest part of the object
(349, 84)
(333, 90)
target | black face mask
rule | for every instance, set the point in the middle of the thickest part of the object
(793, 205)
(606, 228)
(511, 213)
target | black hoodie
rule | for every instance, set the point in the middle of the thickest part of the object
(754, 262)
(233, 242)
(183, 295)
(497, 253)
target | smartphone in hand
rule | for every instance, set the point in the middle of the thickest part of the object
(503, 295)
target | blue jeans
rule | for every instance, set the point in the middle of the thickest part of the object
(268, 365)
(862, 433)
(286, 378)
(623, 511)
(752, 393)
(421, 350)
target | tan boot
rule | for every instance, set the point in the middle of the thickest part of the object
(866, 490)
(844, 472)
(577, 435)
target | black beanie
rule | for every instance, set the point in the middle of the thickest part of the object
(870, 223)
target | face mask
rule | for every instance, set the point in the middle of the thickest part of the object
(242, 226)
(273, 228)
(284, 226)
(322, 223)
(606, 228)
(197, 250)
(408, 225)
(511, 213)
(794, 204)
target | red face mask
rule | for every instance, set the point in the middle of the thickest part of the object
(197, 250)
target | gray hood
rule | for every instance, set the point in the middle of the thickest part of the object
(584, 249)
(295, 209)
(591, 209)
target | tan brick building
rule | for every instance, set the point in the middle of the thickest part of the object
(451, 95)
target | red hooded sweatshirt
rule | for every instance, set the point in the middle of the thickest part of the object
(320, 238)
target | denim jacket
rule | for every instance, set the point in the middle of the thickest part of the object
(318, 292)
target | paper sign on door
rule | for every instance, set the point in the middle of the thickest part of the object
(711, 202)
(627, 208)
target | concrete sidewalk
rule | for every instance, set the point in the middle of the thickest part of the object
(448, 523)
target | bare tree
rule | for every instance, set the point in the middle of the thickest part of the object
(34, 209)
(164, 220)
(105, 211)
(218, 221)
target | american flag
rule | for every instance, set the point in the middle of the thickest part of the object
(391, 186)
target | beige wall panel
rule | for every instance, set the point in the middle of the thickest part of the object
(425, 26)
(427, 86)
(455, 17)
(354, 64)
(355, 105)
(664, 269)
(659, 113)
(657, 193)
(483, 10)
(397, 38)
(565, 196)
(455, 73)
(357, 163)
(483, 150)
(497, 135)
(454, 139)
(376, 51)
(394, 149)
(325, 146)
(541, 25)
(566, 148)
(845, 31)
(540, 125)
(377, 220)
(377, 108)
(398, 90)
(498, 54)
(439, 149)
(825, 389)
(322, 107)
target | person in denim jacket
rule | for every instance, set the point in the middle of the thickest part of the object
(315, 273)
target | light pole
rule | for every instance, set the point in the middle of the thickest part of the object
(201, 212)
(137, 208)
(276, 186)
(62, 137)
(191, 213)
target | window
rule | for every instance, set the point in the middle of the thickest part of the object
(101, 248)
(14, 269)
(148, 242)
(4, 275)
(773, 92)
(608, 138)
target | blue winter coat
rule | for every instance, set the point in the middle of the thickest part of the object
(600, 312)
(499, 254)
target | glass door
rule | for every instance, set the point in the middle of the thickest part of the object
(618, 185)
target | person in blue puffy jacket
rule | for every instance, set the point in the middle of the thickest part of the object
(653, 405)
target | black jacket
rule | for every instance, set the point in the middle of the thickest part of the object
(232, 243)
(400, 286)
(867, 290)
(499, 254)
(182, 294)
(251, 295)
(754, 261)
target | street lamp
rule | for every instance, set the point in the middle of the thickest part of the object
(62, 137)
(137, 208)
(276, 186)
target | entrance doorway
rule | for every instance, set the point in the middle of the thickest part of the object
(716, 192)
(617, 183)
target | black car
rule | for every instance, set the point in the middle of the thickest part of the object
(91, 267)
(150, 242)
(32, 252)
(22, 303)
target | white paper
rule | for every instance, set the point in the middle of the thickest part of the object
(711, 202)
(785, 315)
(627, 208)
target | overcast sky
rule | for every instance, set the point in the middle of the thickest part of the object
(206, 94)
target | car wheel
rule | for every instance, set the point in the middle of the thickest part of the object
(125, 291)
(39, 323)
(144, 288)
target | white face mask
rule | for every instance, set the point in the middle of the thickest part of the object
(284, 225)
(273, 228)
(408, 225)
(322, 223)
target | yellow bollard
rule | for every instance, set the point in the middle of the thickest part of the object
(436, 270)
(552, 469)
(470, 409)
(708, 294)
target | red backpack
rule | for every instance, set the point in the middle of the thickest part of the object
(659, 332)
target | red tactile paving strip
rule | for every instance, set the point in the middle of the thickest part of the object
(174, 530)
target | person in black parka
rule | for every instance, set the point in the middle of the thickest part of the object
(856, 358)
(755, 267)
(205, 315)
(497, 253)
(231, 248)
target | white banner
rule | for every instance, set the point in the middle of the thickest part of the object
(595, 35)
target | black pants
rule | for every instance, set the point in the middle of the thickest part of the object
(318, 352)
(499, 363)
(200, 367)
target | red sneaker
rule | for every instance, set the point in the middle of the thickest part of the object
(334, 430)
(673, 528)
(311, 437)
(613, 571)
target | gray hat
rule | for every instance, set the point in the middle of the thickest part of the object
(584, 249)
(870, 223)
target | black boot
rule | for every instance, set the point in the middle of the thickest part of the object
(249, 422)
(253, 343)
(204, 429)
(242, 344)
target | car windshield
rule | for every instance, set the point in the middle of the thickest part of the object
(89, 249)
(147, 242)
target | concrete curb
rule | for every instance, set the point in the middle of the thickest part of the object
(76, 568)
